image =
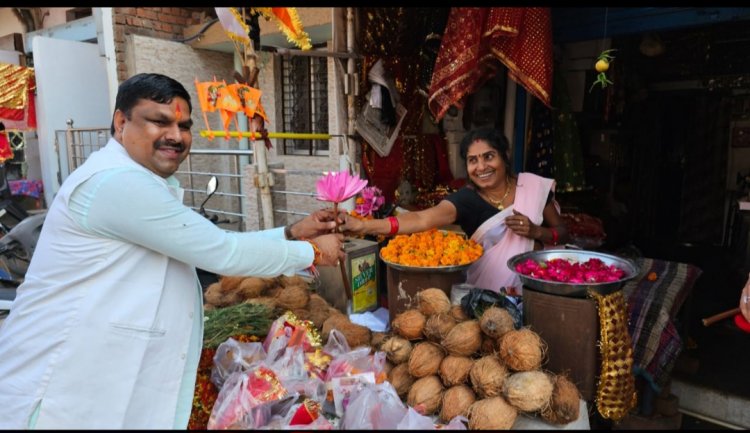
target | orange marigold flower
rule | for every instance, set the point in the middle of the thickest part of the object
(431, 248)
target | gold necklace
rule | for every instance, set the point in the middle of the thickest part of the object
(499, 203)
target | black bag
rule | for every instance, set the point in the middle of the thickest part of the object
(478, 300)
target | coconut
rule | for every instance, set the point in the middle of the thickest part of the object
(454, 370)
(387, 367)
(432, 301)
(377, 339)
(564, 406)
(425, 359)
(292, 297)
(214, 295)
(252, 287)
(438, 325)
(397, 349)
(488, 347)
(319, 310)
(521, 349)
(400, 378)
(464, 339)
(355, 335)
(492, 413)
(270, 303)
(495, 322)
(458, 313)
(230, 283)
(456, 401)
(425, 395)
(294, 280)
(273, 290)
(301, 313)
(529, 391)
(409, 324)
(487, 376)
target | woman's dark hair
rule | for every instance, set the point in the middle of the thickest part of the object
(155, 87)
(494, 138)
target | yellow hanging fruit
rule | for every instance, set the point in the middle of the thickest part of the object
(602, 65)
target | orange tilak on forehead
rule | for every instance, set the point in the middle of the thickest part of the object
(177, 112)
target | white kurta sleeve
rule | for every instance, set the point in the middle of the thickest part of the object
(134, 206)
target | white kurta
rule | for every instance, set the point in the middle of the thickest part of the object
(105, 331)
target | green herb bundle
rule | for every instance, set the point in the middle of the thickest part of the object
(240, 319)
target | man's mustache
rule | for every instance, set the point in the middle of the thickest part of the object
(161, 143)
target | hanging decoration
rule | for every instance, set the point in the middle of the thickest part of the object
(240, 25)
(477, 40)
(603, 60)
(17, 86)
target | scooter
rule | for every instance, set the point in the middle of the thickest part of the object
(16, 249)
(207, 278)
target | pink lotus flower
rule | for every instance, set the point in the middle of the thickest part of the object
(339, 186)
(372, 199)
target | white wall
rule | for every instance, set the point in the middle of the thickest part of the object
(9, 22)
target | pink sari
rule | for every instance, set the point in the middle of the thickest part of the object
(500, 244)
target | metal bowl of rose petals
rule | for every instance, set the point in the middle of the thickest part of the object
(573, 272)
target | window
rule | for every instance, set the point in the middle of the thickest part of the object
(305, 103)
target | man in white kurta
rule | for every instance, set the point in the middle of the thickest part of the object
(106, 330)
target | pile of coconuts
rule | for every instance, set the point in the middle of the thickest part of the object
(443, 362)
(282, 294)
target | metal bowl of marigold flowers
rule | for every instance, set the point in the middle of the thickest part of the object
(573, 272)
(431, 251)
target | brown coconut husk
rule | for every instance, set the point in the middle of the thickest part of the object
(495, 322)
(377, 339)
(425, 395)
(438, 326)
(458, 313)
(286, 281)
(433, 301)
(401, 380)
(454, 370)
(293, 297)
(387, 367)
(252, 287)
(564, 405)
(489, 346)
(214, 296)
(355, 335)
(487, 376)
(230, 283)
(409, 324)
(528, 391)
(301, 313)
(273, 290)
(425, 359)
(397, 349)
(264, 300)
(492, 413)
(456, 401)
(319, 309)
(522, 349)
(464, 339)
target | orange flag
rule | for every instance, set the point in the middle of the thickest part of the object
(249, 98)
(289, 23)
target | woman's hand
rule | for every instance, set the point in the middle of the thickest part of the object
(352, 226)
(745, 300)
(317, 223)
(521, 225)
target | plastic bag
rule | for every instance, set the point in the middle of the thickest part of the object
(232, 356)
(374, 407)
(414, 420)
(477, 300)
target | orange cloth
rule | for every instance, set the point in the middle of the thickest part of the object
(476, 40)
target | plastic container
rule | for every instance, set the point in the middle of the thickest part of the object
(458, 291)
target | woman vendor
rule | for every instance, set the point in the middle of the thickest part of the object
(507, 214)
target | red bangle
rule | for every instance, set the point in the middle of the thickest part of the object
(394, 225)
(555, 236)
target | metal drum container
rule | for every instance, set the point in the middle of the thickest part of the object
(404, 282)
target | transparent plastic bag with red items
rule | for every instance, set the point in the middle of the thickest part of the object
(298, 374)
(357, 361)
(243, 401)
(374, 407)
(288, 330)
(232, 356)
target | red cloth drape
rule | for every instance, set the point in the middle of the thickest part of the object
(477, 40)
(17, 86)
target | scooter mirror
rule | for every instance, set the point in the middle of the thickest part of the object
(213, 183)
